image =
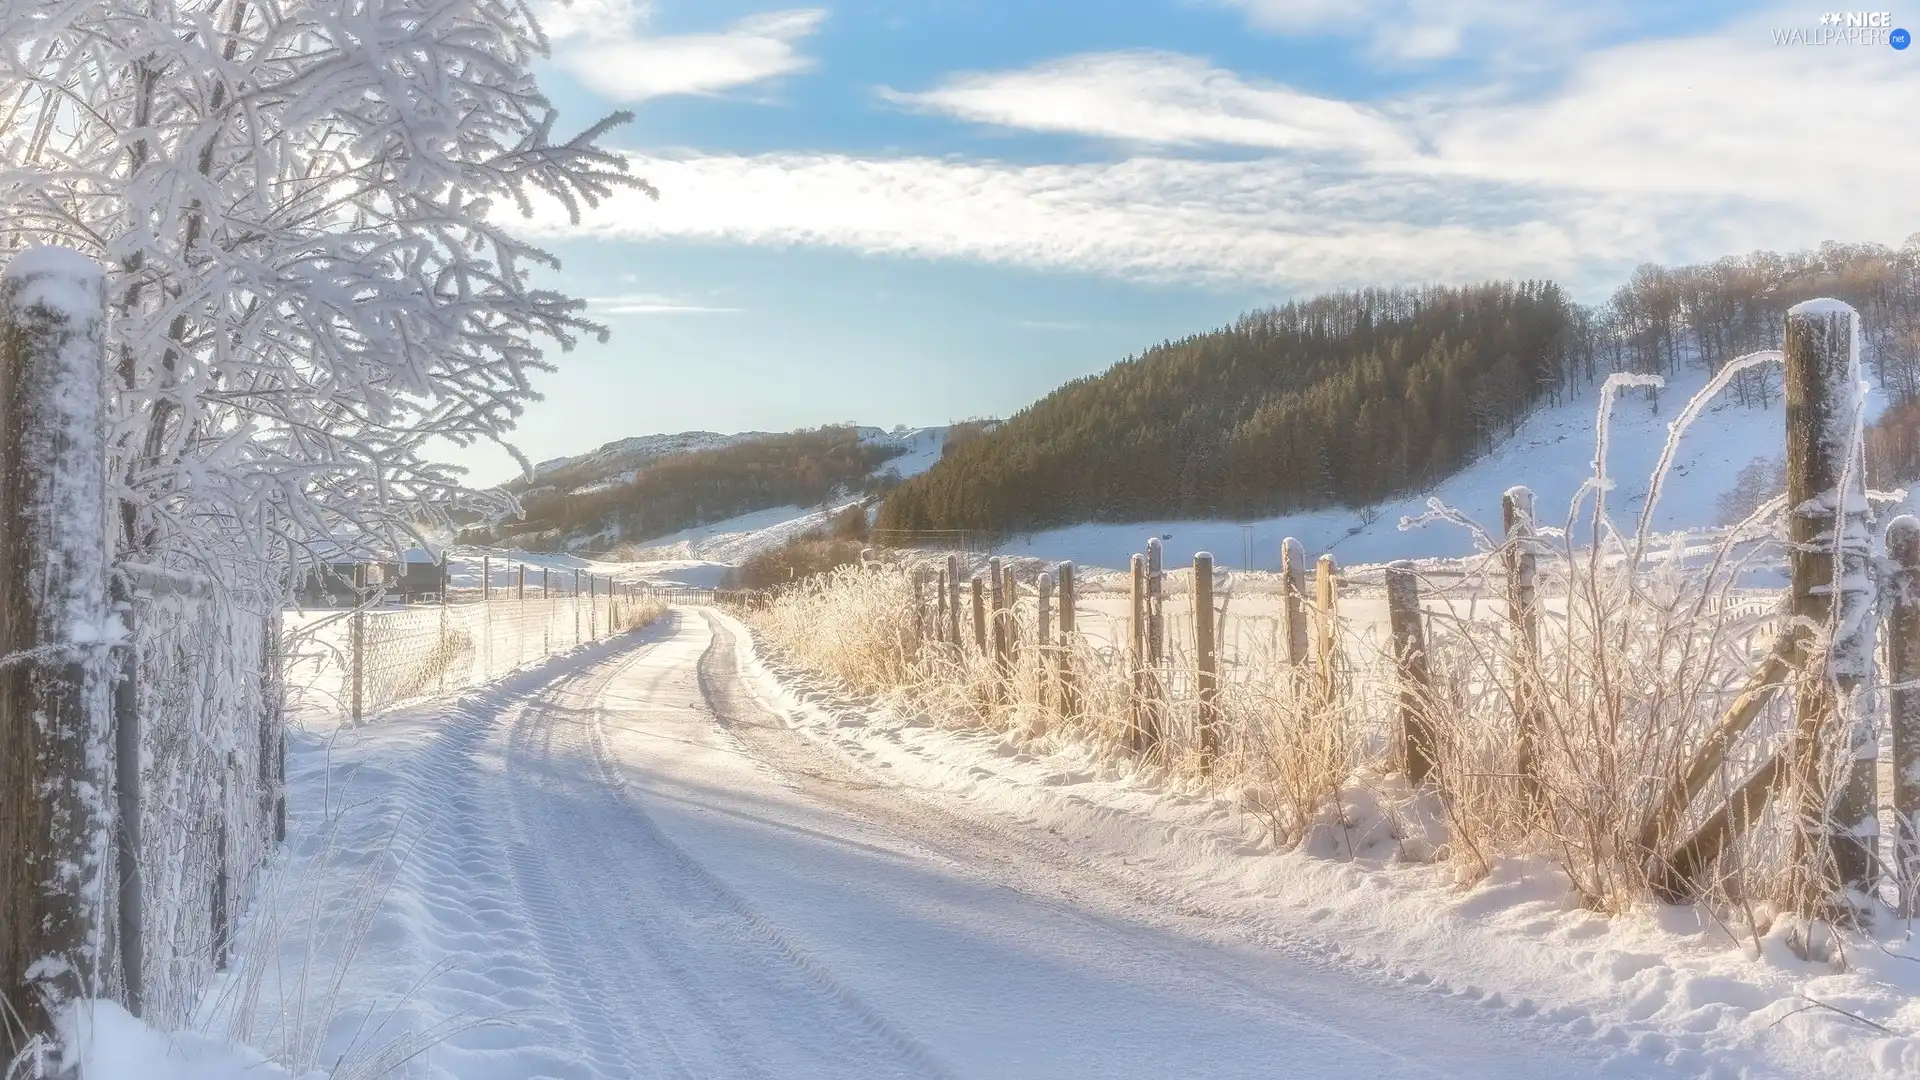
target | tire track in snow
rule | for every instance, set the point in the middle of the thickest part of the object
(681, 972)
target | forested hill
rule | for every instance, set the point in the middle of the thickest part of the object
(1345, 398)
(719, 478)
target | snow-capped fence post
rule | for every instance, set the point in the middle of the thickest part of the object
(1323, 615)
(1156, 594)
(1206, 662)
(1069, 684)
(1410, 661)
(1137, 656)
(1523, 618)
(1293, 576)
(1826, 499)
(55, 720)
(1903, 700)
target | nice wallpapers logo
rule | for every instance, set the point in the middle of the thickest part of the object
(1847, 28)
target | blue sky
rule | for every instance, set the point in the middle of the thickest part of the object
(916, 211)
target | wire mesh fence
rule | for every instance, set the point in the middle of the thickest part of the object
(359, 662)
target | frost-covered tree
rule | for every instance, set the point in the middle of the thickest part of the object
(306, 207)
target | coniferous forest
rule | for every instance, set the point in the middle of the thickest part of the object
(1349, 398)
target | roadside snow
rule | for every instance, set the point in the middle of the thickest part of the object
(1669, 984)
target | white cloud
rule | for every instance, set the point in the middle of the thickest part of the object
(1156, 97)
(604, 44)
(652, 304)
(1661, 150)
(1401, 31)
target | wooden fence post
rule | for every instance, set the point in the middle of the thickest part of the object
(1523, 617)
(1009, 618)
(919, 609)
(1069, 683)
(1293, 578)
(979, 615)
(1156, 594)
(998, 627)
(1206, 660)
(1822, 380)
(1137, 714)
(1410, 660)
(56, 826)
(1903, 664)
(1323, 613)
(953, 599)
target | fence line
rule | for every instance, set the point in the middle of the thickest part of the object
(422, 650)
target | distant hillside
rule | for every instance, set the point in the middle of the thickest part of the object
(1353, 399)
(1345, 397)
(643, 489)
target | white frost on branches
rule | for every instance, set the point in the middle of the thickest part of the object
(297, 202)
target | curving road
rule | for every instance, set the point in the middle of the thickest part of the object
(658, 879)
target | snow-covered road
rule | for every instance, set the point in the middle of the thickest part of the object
(653, 877)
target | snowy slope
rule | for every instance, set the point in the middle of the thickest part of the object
(1552, 453)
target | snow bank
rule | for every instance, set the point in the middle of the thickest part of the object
(105, 1042)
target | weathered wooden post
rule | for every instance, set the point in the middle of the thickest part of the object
(1826, 492)
(1010, 618)
(1156, 594)
(574, 602)
(953, 599)
(1293, 585)
(1206, 661)
(56, 826)
(1137, 717)
(1323, 613)
(1410, 661)
(1523, 617)
(1069, 680)
(979, 615)
(1903, 675)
